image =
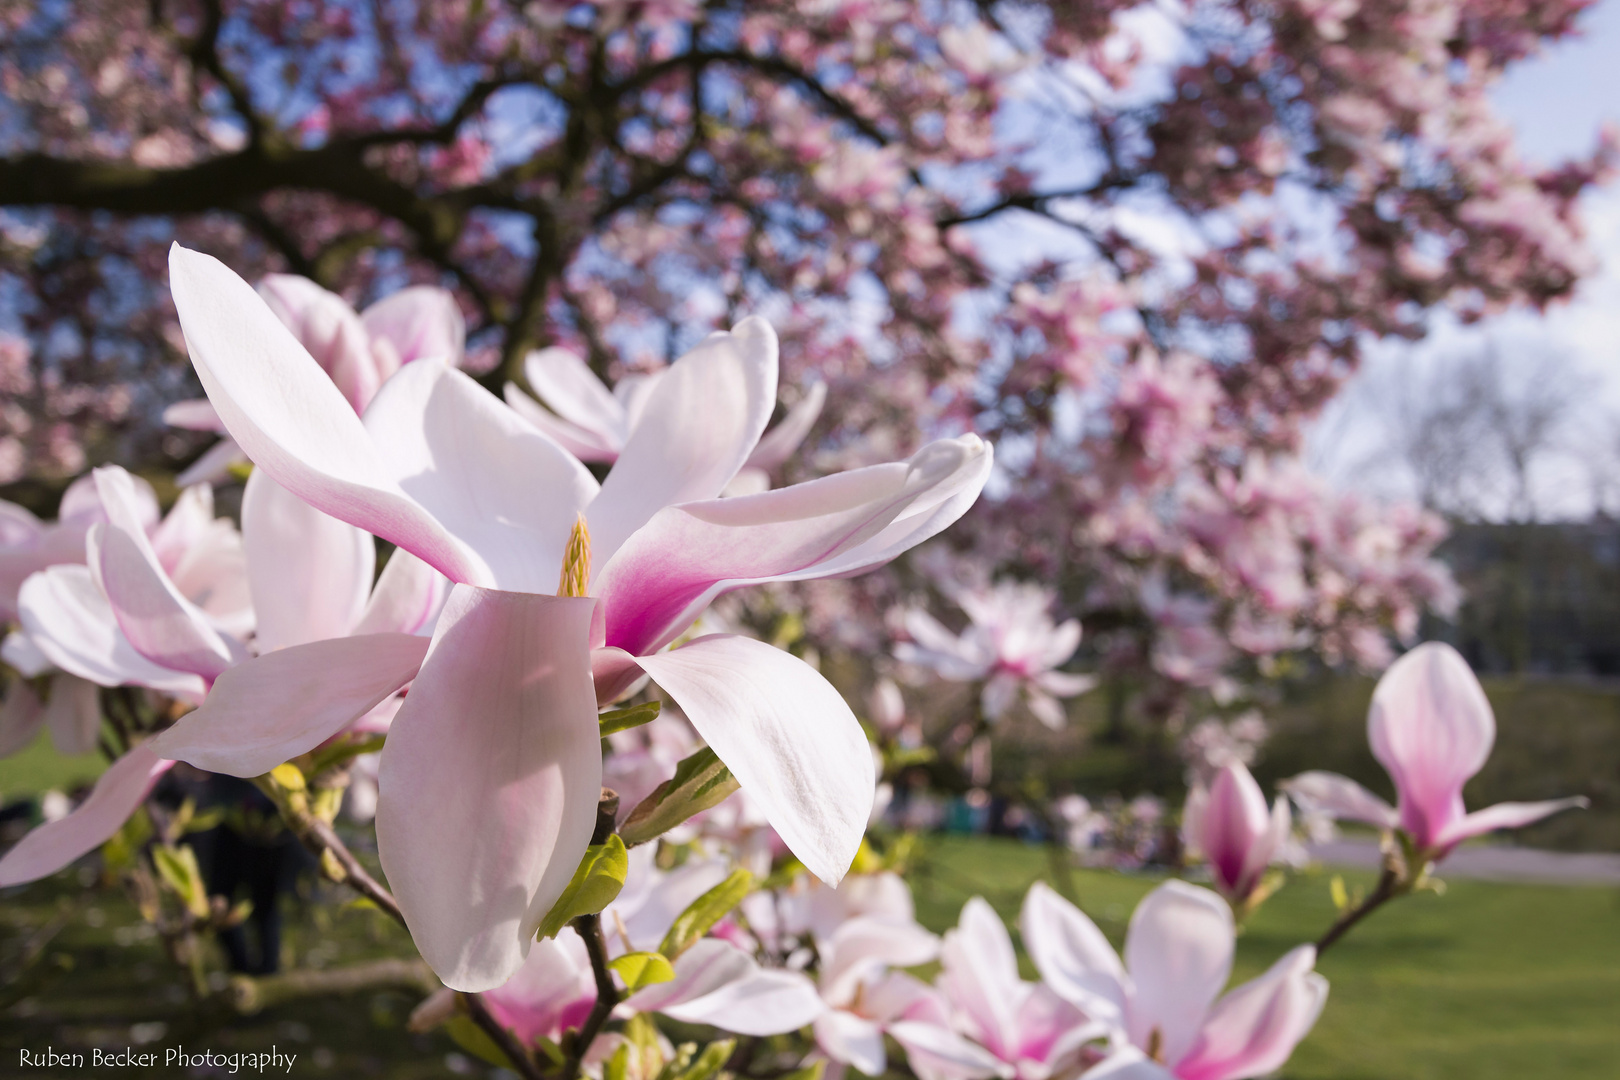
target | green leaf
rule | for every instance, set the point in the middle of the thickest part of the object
(288, 776)
(473, 1039)
(1341, 896)
(118, 853)
(178, 869)
(639, 969)
(618, 1066)
(700, 781)
(711, 1061)
(705, 911)
(330, 757)
(629, 717)
(596, 882)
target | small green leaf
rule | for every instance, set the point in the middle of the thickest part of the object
(700, 781)
(596, 882)
(473, 1039)
(341, 753)
(178, 869)
(639, 969)
(618, 1066)
(705, 911)
(288, 776)
(629, 717)
(711, 1061)
(1341, 897)
(118, 853)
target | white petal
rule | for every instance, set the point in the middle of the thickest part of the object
(1072, 955)
(309, 572)
(1179, 955)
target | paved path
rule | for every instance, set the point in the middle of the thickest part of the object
(1489, 863)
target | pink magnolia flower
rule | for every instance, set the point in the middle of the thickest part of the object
(553, 991)
(1432, 729)
(124, 620)
(1229, 826)
(28, 545)
(1162, 1001)
(358, 351)
(1028, 1027)
(490, 777)
(594, 423)
(1012, 643)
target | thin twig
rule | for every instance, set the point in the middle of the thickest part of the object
(1387, 889)
(589, 927)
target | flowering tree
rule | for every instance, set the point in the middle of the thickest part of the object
(1138, 246)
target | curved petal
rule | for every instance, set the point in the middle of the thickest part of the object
(22, 714)
(676, 564)
(709, 965)
(763, 1002)
(938, 1053)
(778, 444)
(1072, 955)
(568, 386)
(162, 625)
(506, 491)
(786, 734)
(214, 465)
(289, 417)
(195, 415)
(1339, 797)
(851, 1040)
(70, 621)
(1508, 815)
(418, 322)
(309, 572)
(585, 445)
(73, 714)
(55, 844)
(288, 702)
(1432, 727)
(864, 946)
(1252, 1030)
(700, 424)
(1128, 1063)
(489, 781)
(1234, 820)
(1179, 955)
(407, 598)
(328, 327)
(981, 976)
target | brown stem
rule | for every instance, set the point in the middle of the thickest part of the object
(1387, 889)
(589, 927)
(522, 1060)
(249, 994)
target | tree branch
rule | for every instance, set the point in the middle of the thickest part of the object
(1386, 889)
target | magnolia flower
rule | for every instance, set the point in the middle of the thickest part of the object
(1229, 826)
(490, 777)
(1012, 642)
(1432, 728)
(595, 424)
(28, 545)
(1032, 1031)
(358, 351)
(125, 620)
(1162, 1001)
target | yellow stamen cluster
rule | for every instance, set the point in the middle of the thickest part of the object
(576, 564)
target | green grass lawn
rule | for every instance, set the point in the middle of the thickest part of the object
(1487, 981)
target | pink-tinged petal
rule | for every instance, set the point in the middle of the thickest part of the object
(1060, 646)
(1047, 709)
(329, 328)
(162, 625)
(863, 947)
(763, 1002)
(309, 572)
(18, 525)
(617, 674)
(1127, 1063)
(489, 782)
(1233, 821)
(1252, 1030)
(700, 424)
(185, 526)
(1063, 684)
(1178, 951)
(56, 844)
(748, 481)
(981, 977)
(291, 420)
(999, 692)
(851, 1040)
(407, 597)
(215, 464)
(568, 386)
(82, 502)
(417, 323)
(1432, 728)
(282, 704)
(779, 443)
(22, 714)
(935, 1052)
(1072, 955)
(708, 966)
(675, 565)
(787, 736)
(195, 415)
(583, 444)
(552, 991)
(1339, 797)
(24, 656)
(1508, 815)
(647, 917)
(73, 714)
(70, 621)
(506, 491)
